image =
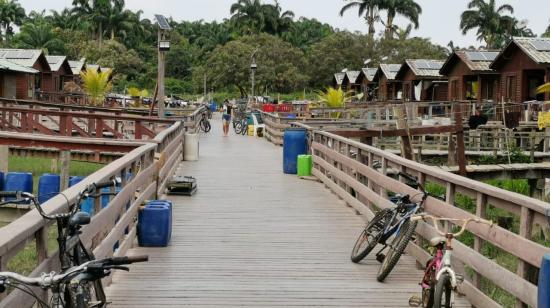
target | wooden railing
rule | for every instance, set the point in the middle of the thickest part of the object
(144, 173)
(348, 169)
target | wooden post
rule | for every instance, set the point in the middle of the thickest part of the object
(41, 237)
(524, 269)
(65, 158)
(460, 149)
(481, 202)
(401, 122)
(4, 158)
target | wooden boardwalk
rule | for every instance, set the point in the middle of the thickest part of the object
(255, 237)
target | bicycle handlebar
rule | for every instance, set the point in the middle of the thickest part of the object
(48, 279)
(465, 222)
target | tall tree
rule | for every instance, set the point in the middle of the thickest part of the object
(248, 15)
(547, 33)
(277, 21)
(369, 8)
(11, 13)
(489, 20)
(406, 8)
(39, 34)
(96, 12)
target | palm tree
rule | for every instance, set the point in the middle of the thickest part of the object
(277, 21)
(487, 18)
(369, 8)
(118, 20)
(39, 35)
(11, 12)
(96, 85)
(406, 8)
(95, 11)
(248, 15)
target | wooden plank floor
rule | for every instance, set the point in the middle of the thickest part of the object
(255, 237)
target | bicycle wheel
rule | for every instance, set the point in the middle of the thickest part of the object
(442, 294)
(205, 126)
(369, 237)
(238, 128)
(397, 247)
(244, 128)
(92, 294)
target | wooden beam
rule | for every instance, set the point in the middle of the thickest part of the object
(381, 132)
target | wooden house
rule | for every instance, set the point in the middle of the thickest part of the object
(523, 65)
(12, 74)
(470, 77)
(350, 82)
(421, 80)
(28, 84)
(337, 80)
(365, 81)
(389, 88)
(77, 67)
(61, 73)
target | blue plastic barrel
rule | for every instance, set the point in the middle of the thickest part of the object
(544, 283)
(87, 205)
(154, 225)
(166, 203)
(1, 180)
(48, 186)
(213, 106)
(294, 144)
(73, 180)
(18, 181)
(106, 198)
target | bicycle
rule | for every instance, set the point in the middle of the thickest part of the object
(440, 280)
(75, 278)
(385, 224)
(204, 124)
(72, 250)
(240, 124)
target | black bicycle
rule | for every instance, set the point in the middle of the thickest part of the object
(240, 124)
(387, 223)
(75, 279)
(72, 251)
(204, 124)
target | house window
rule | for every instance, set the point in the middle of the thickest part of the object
(471, 89)
(510, 87)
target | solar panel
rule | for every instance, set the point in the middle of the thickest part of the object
(475, 56)
(541, 45)
(163, 23)
(423, 65)
(26, 55)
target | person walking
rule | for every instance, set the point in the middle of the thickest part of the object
(226, 117)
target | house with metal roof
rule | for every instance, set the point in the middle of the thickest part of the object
(350, 82)
(10, 72)
(27, 84)
(61, 72)
(77, 66)
(421, 80)
(337, 80)
(523, 65)
(365, 80)
(389, 88)
(470, 77)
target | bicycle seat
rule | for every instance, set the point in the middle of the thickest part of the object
(438, 240)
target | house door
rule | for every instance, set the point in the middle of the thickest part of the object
(9, 86)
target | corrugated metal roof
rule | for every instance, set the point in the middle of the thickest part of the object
(104, 69)
(390, 70)
(352, 76)
(528, 45)
(425, 67)
(14, 67)
(339, 77)
(25, 57)
(55, 62)
(369, 73)
(77, 66)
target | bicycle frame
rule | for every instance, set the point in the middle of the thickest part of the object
(394, 228)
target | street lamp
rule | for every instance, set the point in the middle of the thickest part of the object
(253, 68)
(164, 45)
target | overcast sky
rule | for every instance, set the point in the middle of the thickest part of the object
(439, 21)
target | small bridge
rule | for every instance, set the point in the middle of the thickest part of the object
(252, 236)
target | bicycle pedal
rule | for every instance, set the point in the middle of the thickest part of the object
(380, 257)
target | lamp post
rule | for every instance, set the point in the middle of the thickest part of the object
(253, 68)
(163, 47)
